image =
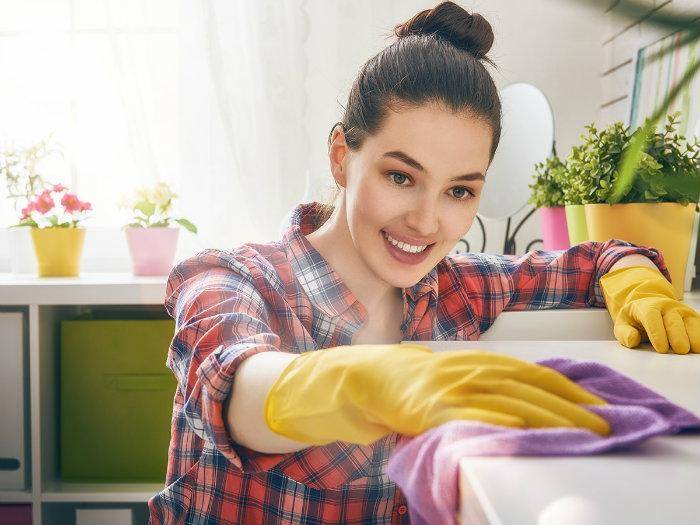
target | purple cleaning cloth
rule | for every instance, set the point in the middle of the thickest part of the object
(426, 467)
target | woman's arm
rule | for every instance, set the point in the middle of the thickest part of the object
(225, 313)
(633, 260)
(571, 279)
(244, 410)
(481, 285)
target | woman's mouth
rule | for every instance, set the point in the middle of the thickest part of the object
(406, 253)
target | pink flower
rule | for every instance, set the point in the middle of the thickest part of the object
(27, 211)
(71, 202)
(85, 206)
(59, 187)
(44, 202)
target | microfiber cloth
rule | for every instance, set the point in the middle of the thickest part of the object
(426, 467)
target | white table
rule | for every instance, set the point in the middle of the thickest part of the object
(653, 483)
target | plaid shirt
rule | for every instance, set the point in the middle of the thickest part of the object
(283, 296)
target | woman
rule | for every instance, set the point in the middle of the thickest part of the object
(292, 389)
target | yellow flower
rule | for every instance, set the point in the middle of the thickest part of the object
(161, 194)
(141, 194)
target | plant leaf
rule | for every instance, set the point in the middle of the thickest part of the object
(187, 225)
(145, 207)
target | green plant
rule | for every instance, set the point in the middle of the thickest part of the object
(20, 167)
(688, 28)
(592, 164)
(547, 185)
(575, 185)
(150, 208)
(677, 177)
(668, 169)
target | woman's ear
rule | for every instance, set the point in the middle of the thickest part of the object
(337, 155)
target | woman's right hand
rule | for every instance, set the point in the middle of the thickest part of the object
(361, 393)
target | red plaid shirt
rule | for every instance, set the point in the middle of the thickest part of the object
(283, 296)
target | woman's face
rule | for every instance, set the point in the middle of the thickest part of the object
(417, 181)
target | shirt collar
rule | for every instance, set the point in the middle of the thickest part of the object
(321, 283)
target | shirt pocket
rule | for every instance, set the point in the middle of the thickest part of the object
(171, 506)
(293, 502)
(332, 465)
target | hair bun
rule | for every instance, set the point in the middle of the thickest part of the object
(470, 32)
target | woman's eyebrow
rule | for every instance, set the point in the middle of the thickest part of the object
(407, 159)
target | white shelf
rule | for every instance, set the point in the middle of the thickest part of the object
(62, 491)
(88, 288)
(15, 496)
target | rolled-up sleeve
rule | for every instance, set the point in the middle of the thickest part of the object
(479, 286)
(570, 278)
(221, 319)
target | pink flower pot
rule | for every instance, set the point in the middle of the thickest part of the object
(152, 249)
(554, 231)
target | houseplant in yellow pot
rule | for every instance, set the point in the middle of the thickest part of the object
(54, 216)
(547, 196)
(26, 170)
(658, 208)
(151, 239)
(575, 194)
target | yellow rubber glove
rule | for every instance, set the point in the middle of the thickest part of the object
(643, 303)
(361, 393)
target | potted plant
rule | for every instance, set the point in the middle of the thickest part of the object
(657, 208)
(22, 170)
(54, 217)
(575, 193)
(151, 239)
(548, 197)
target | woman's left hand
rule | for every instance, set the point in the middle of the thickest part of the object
(643, 303)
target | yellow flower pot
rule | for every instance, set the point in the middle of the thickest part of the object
(58, 251)
(667, 226)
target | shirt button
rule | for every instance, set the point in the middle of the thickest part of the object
(402, 510)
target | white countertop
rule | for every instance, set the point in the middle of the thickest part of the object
(653, 483)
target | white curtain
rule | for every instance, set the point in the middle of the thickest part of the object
(207, 95)
(243, 143)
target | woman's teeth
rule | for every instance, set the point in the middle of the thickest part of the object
(404, 246)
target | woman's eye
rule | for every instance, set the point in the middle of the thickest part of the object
(398, 178)
(462, 193)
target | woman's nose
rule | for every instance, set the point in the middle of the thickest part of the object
(424, 218)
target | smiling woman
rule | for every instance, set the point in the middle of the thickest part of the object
(281, 416)
(404, 184)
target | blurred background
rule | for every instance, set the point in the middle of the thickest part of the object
(231, 103)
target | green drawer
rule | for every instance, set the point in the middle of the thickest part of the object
(116, 399)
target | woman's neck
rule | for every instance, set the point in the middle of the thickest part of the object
(334, 242)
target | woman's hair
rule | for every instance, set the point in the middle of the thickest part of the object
(437, 58)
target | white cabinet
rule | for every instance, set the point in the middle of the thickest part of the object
(29, 364)
(13, 464)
